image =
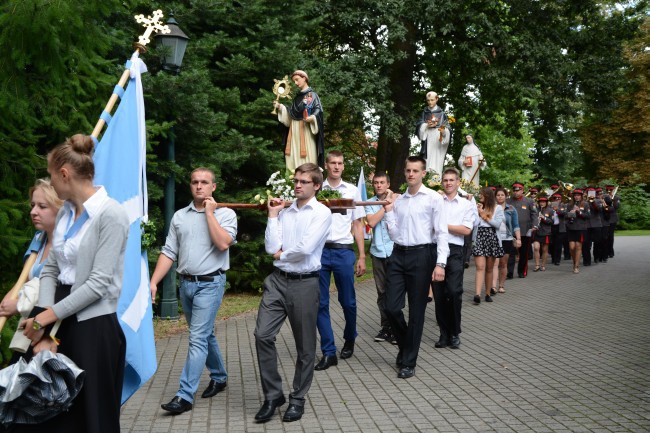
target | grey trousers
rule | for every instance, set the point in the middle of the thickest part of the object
(298, 301)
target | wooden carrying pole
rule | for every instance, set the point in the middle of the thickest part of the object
(22, 279)
(330, 203)
(111, 102)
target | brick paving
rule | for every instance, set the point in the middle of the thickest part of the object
(557, 353)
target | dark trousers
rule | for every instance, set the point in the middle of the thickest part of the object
(379, 266)
(610, 240)
(592, 238)
(557, 242)
(467, 249)
(296, 300)
(448, 294)
(409, 274)
(565, 247)
(601, 248)
(522, 266)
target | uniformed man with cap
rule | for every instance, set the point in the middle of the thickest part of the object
(613, 217)
(527, 213)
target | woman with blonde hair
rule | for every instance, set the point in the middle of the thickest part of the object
(45, 204)
(487, 245)
(80, 285)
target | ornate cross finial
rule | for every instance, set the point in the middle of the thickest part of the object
(151, 24)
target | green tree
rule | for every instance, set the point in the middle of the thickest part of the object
(617, 138)
(54, 57)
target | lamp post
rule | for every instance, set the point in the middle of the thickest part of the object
(175, 43)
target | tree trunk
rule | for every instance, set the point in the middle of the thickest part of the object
(393, 149)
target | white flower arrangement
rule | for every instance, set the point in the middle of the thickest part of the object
(280, 187)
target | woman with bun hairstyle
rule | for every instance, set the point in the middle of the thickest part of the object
(80, 285)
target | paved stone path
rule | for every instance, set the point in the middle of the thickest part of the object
(557, 352)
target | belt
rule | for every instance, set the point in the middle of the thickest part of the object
(206, 278)
(411, 247)
(335, 246)
(297, 276)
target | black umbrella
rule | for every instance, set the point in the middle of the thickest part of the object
(35, 391)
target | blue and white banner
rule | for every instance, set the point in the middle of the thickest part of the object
(361, 185)
(120, 165)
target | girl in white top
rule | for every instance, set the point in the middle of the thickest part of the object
(487, 245)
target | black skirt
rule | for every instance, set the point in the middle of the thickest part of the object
(98, 347)
(487, 243)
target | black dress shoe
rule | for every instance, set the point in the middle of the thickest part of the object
(293, 413)
(406, 372)
(326, 362)
(267, 410)
(455, 342)
(214, 388)
(177, 405)
(509, 276)
(442, 342)
(348, 350)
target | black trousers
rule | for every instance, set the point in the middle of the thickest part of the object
(601, 247)
(522, 266)
(557, 242)
(592, 237)
(448, 294)
(409, 274)
(610, 240)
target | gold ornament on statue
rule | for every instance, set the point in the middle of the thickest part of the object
(281, 89)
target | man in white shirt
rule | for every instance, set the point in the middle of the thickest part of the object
(448, 294)
(418, 227)
(295, 237)
(338, 258)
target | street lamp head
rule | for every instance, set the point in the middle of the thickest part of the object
(175, 43)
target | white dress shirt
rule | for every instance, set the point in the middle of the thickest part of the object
(342, 224)
(300, 233)
(459, 212)
(69, 250)
(419, 219)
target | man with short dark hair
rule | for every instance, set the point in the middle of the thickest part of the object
(199, 238)
(418, 227)
(295, 237)
(448, 294)
(338, 259)
(381, 248)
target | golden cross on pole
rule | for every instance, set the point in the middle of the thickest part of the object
(151, 23)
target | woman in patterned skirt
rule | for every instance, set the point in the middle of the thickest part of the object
(487, 245)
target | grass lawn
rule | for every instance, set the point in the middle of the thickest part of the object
(632, 233)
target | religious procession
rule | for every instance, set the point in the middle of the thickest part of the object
(92, 279)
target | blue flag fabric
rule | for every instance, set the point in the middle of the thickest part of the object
(361, 185)
(120, 165)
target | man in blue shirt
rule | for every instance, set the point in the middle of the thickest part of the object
(199, 238)
(381, 248)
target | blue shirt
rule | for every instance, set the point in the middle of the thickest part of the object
(381, 245)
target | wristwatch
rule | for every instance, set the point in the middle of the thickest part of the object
(442, 265)
(36, 325)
